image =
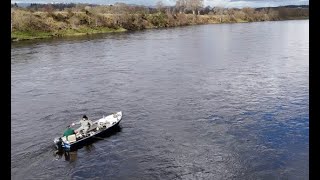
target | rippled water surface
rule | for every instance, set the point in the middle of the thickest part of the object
(225, 101)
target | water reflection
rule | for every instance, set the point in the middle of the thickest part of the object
(89, 147)
(71, 156)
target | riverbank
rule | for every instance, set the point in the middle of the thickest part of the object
(29, 35)
(39, 23)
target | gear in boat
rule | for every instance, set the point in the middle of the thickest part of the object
(87, 130)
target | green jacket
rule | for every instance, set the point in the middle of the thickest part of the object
(68, 132)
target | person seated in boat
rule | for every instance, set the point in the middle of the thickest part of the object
(69, 131)
(85, 124)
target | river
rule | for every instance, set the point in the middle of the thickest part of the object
(219, 101)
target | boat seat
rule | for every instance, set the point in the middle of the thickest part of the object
(104, 123)
(93, 126)
(72, 138)
(64, 138)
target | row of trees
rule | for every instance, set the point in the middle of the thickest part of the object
(194, 5)
(182, 7)
(60, 18)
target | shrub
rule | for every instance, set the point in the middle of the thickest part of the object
(158, 20)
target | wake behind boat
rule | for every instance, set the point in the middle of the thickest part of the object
(96, 129)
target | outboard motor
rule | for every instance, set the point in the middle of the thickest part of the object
(66, 146)
(61, 145)
(58, 142)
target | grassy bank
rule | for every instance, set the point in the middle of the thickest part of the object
(44, 22)
(33, 34)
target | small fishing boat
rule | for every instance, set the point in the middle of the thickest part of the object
(99, 127)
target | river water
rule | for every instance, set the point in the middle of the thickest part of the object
(223, 101)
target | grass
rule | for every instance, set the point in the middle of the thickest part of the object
(29, 24)
(28, 35)
(87, 30)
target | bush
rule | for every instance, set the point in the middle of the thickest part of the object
(90, 18)
(158, 20)
(58, 17)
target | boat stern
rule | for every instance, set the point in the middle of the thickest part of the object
(58, 143)
(61, 144)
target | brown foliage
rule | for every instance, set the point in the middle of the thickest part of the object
(48, 19)
(26, 21)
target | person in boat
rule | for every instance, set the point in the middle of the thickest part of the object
(69, 131)
(85, 124)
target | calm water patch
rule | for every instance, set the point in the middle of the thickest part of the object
(224, 101)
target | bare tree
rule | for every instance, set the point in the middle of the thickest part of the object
(218, 10)
(121, 8)
(195, 5)
(181, 5)
(160, 5)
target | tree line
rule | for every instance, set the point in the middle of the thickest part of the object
(57, 19)
(195, 7)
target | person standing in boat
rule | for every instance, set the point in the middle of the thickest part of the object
(69, 131)
(85, 124)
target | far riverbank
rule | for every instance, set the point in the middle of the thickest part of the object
(48, 22)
